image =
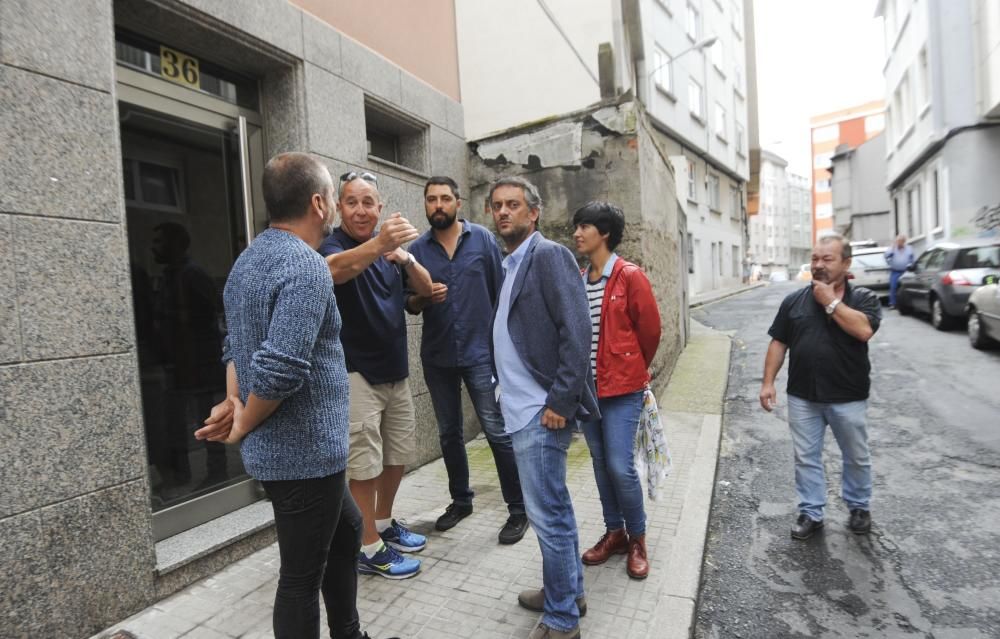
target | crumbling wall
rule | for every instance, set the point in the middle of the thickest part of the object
(601, 153)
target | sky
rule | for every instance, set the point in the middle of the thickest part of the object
(813, 56)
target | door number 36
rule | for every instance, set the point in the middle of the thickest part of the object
(179, 68)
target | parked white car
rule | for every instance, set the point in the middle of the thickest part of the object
(983, 312)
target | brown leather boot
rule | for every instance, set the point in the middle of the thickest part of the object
(637, 564)
(613, 542)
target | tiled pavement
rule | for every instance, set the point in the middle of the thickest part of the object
(469, 583)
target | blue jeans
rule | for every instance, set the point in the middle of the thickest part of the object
(446, 395)
(541, 460)
(808, 422)
(894, 285)
(611, 440)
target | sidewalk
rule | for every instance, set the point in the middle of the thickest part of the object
(701, 299)
(468, 586)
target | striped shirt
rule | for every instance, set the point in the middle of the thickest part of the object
(595, 297)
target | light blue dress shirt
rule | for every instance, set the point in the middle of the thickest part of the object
(521, 397)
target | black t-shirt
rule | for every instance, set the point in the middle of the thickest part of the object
(825, 364)
(371, 305)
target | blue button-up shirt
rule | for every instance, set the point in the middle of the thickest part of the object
(521, 397)
(899, 259)
(457, 331)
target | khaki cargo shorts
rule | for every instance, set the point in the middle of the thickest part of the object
(383, 427)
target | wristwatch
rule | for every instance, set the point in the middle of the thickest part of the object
(410, 260)
(832, 306)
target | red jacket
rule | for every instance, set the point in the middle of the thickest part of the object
(630, 331)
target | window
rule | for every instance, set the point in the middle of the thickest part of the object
(395, 138)
(663, 70)
(738, 80)
(720, 121)
(979, 257)
(826, 133)
(936, 201)
(736, 261)
(824, 211)
(690, 252)
(145, 55)
(692, 181)
(695, 100)
(902, 103)
(155, 186)
(822, 186)
(923, 81)
(719, 57)
(735, 202)
(823, 160)
(914, 216)
(737, 13)
(713, 192)
(693, 23)
(739, 137)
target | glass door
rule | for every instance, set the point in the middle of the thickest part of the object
(187, 172)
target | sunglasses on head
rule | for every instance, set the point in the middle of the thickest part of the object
(353, 175)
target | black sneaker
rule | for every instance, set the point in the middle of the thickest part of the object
(513, 530)
(805, 527)
(860, 522)
(452, 515)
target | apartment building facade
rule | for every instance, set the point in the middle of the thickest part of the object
(134, 134)
(942, 74)
(781, 231)
(689, 62)
(852, 126)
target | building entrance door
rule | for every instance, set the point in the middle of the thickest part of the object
(188, 160)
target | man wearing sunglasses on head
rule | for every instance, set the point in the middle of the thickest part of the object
(370, 272)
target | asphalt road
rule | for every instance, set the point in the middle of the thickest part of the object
(930, 567)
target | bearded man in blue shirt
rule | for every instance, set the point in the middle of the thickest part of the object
(464, 261)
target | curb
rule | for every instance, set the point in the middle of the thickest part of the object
(724, 294)
(675, 616)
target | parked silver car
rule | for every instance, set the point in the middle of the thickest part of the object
(870, 270)
(944, 277)
(983, 311)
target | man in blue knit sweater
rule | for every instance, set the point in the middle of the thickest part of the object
(288, 399)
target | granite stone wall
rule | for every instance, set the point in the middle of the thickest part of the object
(76, 540)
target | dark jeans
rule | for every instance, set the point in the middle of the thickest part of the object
(319, 537)
(446, 395)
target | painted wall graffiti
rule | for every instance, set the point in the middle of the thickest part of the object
(988, 218)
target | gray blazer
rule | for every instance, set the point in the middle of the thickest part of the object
(549, 323)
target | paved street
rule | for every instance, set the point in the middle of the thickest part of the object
(931, 567)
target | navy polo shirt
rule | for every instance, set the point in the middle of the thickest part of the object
(457, 331)
(371, 305)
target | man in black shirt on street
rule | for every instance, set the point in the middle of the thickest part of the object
(827, 327)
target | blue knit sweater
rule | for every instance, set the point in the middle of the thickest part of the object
(284, 338)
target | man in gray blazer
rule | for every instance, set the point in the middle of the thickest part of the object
(541, 351)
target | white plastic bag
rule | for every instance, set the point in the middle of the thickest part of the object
(652, 454)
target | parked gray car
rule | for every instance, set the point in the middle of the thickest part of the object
(944, 277)
(983, 311)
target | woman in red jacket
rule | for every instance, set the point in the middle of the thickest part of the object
(626, 333)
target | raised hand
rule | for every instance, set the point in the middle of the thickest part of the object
(395, 232)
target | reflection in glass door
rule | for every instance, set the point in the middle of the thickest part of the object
(186, 226)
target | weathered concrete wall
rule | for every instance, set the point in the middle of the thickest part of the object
(602, 153)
